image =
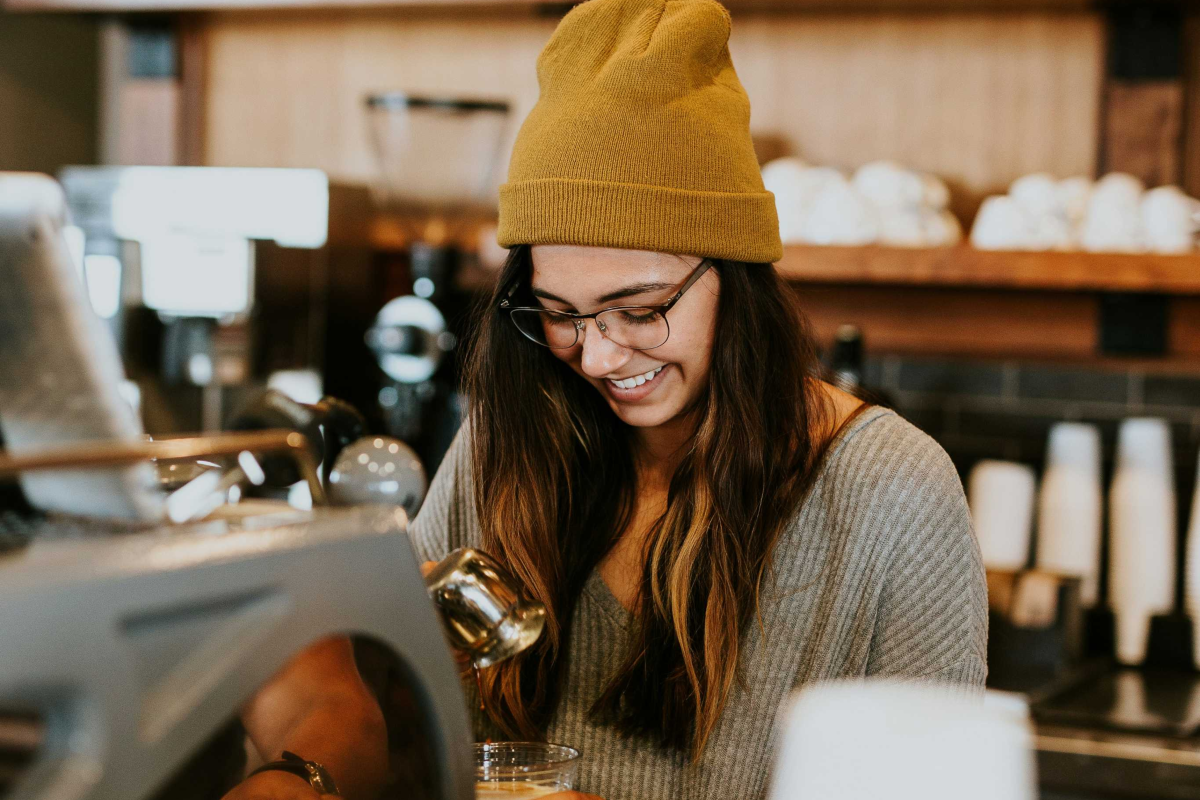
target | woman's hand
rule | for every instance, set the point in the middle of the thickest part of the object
(273, 785)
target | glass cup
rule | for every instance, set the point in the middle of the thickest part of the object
(523, 770)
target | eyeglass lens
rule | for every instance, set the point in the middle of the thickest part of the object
(636, 328)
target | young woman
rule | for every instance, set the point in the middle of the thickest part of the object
(650, 450)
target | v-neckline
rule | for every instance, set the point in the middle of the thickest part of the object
(603, 596)
(598, 590)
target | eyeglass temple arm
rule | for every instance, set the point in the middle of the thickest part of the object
(701, 268)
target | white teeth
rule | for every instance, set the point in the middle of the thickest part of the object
(637, 380)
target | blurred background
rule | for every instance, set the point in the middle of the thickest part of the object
(988, 211)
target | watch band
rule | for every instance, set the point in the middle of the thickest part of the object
(317, 776)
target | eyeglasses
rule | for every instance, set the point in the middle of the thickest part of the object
(635, 327)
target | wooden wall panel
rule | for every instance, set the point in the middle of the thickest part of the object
(1191, 104)
(1143, 130)
(959, 322)
(988, 323)
(48, 92)
(289, 90)
(978, 98)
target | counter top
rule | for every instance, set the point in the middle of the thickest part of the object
(1114, 764)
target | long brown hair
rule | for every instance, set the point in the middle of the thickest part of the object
(555, 483)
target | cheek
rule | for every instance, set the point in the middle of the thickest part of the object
(569, 357)
(692, 349)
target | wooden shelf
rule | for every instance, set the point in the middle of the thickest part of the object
(966, 267)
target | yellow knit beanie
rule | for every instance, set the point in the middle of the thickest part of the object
(640, 138)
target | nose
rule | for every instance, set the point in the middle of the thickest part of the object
(601, 356)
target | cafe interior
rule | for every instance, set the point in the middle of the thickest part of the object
(244, 248)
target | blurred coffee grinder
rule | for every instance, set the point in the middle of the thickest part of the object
(438, 163)
(175, 247)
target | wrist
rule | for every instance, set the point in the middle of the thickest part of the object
(277, 783)
(311, 772)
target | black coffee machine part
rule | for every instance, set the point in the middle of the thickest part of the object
(847, 361)
(329, 425)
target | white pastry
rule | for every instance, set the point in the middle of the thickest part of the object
(1167, 224)
(1073, 195)
(840, 216)
(1114, 218)
(942, 228)
(1038, 195)
(935, 194)
(901, 227)
(1003, 224)
(783, 177)
(886, 184)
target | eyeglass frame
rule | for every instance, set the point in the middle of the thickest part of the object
(580, 319)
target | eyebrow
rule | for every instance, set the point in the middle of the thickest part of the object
(628, 291)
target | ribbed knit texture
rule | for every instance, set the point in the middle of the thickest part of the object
(640, 138)
(878, 575)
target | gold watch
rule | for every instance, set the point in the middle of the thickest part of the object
(317, 776)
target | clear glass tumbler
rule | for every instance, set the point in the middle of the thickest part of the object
(523, 770)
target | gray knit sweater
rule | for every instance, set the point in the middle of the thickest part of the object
(878, 574)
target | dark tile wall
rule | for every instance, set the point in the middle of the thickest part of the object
(1004, 409)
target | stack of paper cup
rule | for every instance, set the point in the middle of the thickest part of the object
(865, 741)
(1142, 523)
(1192, 569)
(1000, 494)
(1070, 507)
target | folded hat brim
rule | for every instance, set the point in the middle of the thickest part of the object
(739, 226)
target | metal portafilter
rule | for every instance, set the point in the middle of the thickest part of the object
(483, 611)
(198, 487)
(329, 425)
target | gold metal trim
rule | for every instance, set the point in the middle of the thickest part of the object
(1128, 751)
(93, 455)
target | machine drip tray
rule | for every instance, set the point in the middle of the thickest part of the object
(1156, 702)
(1115, 732)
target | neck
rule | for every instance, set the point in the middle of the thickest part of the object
(661, 448)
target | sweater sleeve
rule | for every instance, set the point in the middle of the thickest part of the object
(932, 616)
(447, 519)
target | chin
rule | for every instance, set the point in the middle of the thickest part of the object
(649, 416)
(643, 417)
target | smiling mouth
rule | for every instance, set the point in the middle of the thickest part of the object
(637, 380)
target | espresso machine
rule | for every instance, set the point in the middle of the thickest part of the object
(169, 253)
(130, 641)
(438, 160)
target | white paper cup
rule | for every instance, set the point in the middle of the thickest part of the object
(1142, 525)
(1001, 495)
(879, 739)
(1192, 568)
(1070, 507)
